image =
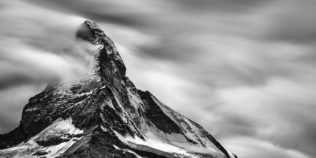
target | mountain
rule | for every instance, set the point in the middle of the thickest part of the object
(105, 116)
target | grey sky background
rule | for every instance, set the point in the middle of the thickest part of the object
(244, 69)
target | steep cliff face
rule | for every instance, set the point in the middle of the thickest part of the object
(105, 116)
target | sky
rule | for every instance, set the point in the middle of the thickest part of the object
(243, 69)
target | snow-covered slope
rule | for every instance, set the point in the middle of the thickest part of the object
(105, 116)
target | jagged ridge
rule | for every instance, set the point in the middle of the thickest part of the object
(106, 116)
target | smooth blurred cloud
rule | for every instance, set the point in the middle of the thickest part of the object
(293, 22)
(244, 69)
(249, 148)
(11, 109)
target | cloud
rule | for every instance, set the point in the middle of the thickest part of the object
(249, 148)
(12, 102)
(293, 21)
(243, 69)
(279, 112)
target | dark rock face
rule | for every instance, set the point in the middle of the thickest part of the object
(155, 114)
(106, 116)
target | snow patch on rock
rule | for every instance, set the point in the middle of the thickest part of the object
(31, 149)
(152, 143)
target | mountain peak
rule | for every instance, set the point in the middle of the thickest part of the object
(109, 61)
(109, 117)
(91, 32)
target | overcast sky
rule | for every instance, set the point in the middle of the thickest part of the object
(244, 69)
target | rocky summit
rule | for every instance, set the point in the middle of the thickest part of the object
(105, 116)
